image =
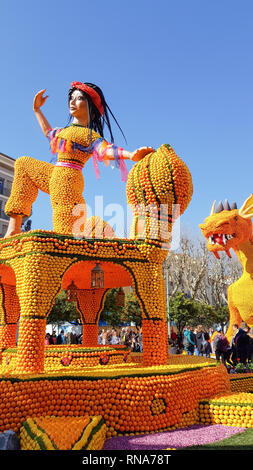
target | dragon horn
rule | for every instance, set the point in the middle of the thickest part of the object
(213, 207)
(219, 208)
(233, 206)
(227, 206)
(244, 209)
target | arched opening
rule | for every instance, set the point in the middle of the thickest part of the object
(89, 299)
(9, 308)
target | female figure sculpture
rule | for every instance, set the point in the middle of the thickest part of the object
(74, 144)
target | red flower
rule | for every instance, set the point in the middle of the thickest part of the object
(104, 360)
(65, 361)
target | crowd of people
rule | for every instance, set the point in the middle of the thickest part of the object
(131, 338)
(194, 341)
(203, 342)
(128, 336)
(63, 338)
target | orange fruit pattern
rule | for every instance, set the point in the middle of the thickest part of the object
(130, 398)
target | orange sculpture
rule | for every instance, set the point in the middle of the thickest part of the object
(38, 264)
(74, 144)
(231, 228)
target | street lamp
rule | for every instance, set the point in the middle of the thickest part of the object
(97, 277)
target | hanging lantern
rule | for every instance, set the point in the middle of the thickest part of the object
(120, 298)
(97, 277)
(71, 292)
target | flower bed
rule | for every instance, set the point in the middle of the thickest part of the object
(171, 440)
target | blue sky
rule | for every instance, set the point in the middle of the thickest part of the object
(172, 72)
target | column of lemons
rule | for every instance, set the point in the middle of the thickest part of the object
(38, 280)
(149, 288)
(9, 315)
(90, 303)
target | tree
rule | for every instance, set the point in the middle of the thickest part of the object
(195, 271)
(63, 311)
(132, 311)
(222, 315)
(181, 310)
(112, 313)
(186, 311)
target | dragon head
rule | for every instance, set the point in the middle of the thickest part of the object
(228, 227)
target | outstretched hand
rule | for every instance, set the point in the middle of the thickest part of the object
(39, 100)
(140, 153)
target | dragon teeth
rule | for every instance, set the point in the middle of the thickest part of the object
(224, 236)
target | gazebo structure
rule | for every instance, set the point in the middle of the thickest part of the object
(35, 266)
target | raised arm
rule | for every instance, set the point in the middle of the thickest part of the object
(135, 156)
(38, 101)
(103, 151)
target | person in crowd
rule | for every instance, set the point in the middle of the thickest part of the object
(104, 338)
(250, 334)
(174, 346)
(212, 336)
(173, 335)
(222, 349)
(136, 341)
(68, 337)
(61, 338)
(180, 340)
(189, 340)
(100, 336)
(232, 343)
(53, 337)
(200, 340)
(140, 339)
(80, 339)
(114, 337)
(108, 337)
(73, 337)
(47, 339)
(242, 343)
(128, 337)
(207, 349)
(123, 335)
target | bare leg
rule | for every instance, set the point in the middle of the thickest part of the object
(30, 176)
(14, 226)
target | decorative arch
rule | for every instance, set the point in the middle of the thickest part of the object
(90, 301)
(9, 307)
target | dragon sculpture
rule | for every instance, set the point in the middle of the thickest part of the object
(230, 228)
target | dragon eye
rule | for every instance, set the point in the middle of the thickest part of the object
(236, 218)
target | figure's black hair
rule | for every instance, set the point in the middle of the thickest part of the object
(96, 121)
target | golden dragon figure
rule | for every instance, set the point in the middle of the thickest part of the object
(230, 228)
